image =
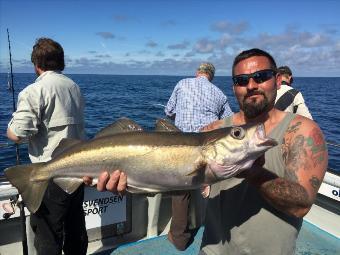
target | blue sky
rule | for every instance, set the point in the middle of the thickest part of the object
(173, 37)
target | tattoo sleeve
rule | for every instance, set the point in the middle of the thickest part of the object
(303, 155)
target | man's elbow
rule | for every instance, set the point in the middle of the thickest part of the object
(12, 136)
(301, 209)
(301, 212)
(171, 116)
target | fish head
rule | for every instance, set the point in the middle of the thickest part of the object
(237, 150)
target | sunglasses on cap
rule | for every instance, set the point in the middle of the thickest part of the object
(258, 77)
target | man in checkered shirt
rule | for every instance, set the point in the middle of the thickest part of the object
(194, 103)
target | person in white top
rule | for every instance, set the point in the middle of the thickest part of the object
(289, 99)
(49, 110)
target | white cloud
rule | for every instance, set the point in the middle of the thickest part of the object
(169, 23)
(103, 56)
(179, 46)
(160, 54)
(229, 27)
(151, 44)
(204, 46)
(106, 35)
(120, 18)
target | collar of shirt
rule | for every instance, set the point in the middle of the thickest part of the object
(202, 77)
(285, 83)
(45, 74)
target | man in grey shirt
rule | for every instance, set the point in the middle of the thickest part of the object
(49, 110)
(260, 210)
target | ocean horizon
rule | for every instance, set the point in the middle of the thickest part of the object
(171, 75)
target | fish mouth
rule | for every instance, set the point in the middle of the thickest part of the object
(262, 138)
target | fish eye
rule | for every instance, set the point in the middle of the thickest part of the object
(237, 133)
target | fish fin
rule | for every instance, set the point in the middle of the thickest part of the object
(199, 168)
(63, 145)
(210, 137)
(193, 173)
(69, 185)
(164, 125)
(32, 192)
(122, 125)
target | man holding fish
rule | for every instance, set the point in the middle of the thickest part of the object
(260, 210)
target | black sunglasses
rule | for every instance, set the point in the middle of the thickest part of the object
(258, 77)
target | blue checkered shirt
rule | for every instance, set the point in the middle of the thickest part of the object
(196, 102)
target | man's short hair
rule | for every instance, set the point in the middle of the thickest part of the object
(207, 68)
(251, 53)
(48, 55)
(285, 70)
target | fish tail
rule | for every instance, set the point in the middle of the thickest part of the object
(32, 192)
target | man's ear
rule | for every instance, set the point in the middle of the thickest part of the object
(291, 79)
(38, 70)
(278, 79)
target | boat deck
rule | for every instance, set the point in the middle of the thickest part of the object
(311, 240)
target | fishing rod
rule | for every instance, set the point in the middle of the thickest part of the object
(17, 199)
(11, 88)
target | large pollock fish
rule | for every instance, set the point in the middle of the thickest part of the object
(160, 161)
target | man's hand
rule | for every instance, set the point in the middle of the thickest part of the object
(114, 182)
(205, 191)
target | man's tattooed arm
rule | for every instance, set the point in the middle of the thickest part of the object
(305, 157)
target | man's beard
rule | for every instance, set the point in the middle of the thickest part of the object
(251, 108)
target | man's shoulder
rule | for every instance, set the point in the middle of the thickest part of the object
(32, 88)
(301, 126)
(289, 88)
(187, 80)
(283, 88)
(52, 79)
(60, 76)
(285, 96)
(185, 83)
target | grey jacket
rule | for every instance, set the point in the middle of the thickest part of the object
(48, 110)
